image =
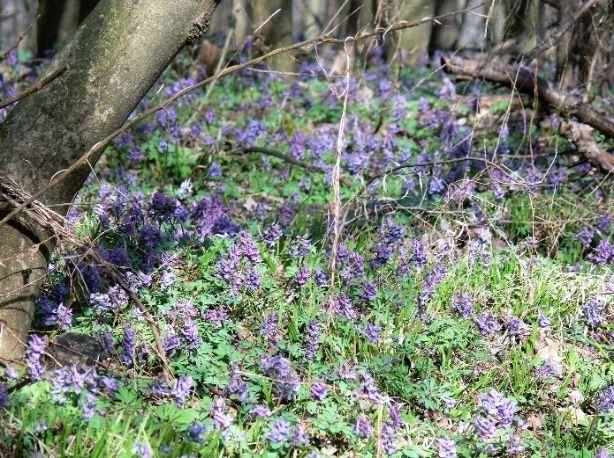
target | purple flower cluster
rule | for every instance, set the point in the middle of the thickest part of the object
(222, 418)
(4, 395)
(487, 324)
(281, 431)
(239, 267)
(603, 253)
(594, 313)
(111, 301)
(496, 411)
(363, 426)
(432, 280)
(446, 448)
(463, 304)
(313, 332)
(128, 346)
(286, 381)
(605, 400)
(35, 352)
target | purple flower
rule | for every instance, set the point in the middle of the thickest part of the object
(285, 379)
(313, 332)
(389, 439)
(343, 306)
(585, 236)
(516, 327)
(549, 370)
(605, 400)
(369, 292)
(108, 384)
(432, 280)
(487, 324)
(393, 233)
(260, 411)
(190, 334)
(419, 256)
(221, 417)
(319, 391)
(215, 170)
(300, 247)
(383, 254)
(302, 276)
(363, 426)
(368, 390)
(248, 248)
(159, 388)
(236, 386)
(279, 432)
(270, 329)
(4, 396)
(114, 298)
(320, 277)
(394, 413)
(129, 346)
(195, 432)
(485, 426)
(142, 450)
(602, 452)
(181, 389)
(162, 206)
(594, 313)
(300, 436)
(543, 321)
(272, 234)
(88, 407)
(498, 407)
(463, 304)
(446, 448)
(63, 317)
(605, 221)
(370, 331)
(171, 341)
(603, 253)
(36, 349)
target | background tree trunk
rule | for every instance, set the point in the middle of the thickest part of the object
(114, 58)
(57, 22)
(445, 35)
(15, 17)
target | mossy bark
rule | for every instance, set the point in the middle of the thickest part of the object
(113, 59)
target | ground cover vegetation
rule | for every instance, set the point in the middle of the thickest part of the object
(468, 312)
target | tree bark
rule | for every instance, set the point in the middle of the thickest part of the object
(444, 36)
(116, 55)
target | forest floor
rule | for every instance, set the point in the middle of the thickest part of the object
(469, 310)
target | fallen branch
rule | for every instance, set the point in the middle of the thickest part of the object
(525, 81)
(582, 136)
(282, 156)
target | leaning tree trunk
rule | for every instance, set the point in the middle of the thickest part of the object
(116, 55)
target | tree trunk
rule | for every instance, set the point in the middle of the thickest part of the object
(15, 17)
(117, 54)
(58, 21)
(414, 42)
(23, 264)
(445, 35)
